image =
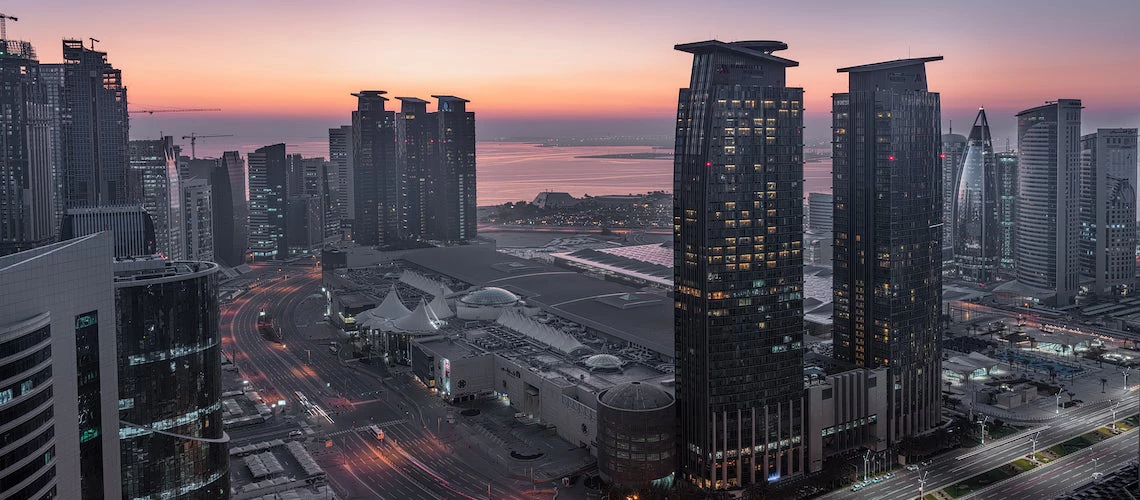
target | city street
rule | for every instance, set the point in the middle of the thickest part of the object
(421, 456)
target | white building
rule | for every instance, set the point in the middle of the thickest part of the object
(1108, 210)
(199, 219)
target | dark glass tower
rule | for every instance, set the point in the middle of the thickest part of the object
(155, 184)
(415, 149)
(93, 135)
(738, 267)
(27, 186)
(268, 202)
(888, 235)
(977, 233)
(453, 177)
(376, 180)
(953, 151)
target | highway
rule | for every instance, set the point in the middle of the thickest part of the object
(412, 461)
(965, 463)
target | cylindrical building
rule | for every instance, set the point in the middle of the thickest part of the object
(636, 443)
(172, 441)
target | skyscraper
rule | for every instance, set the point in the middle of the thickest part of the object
(1048, 218)
(415, 149)
(234, 167)
(1006, 163)
(155, 184)
(93, 129)
(453, 180)
(953, 151)
(60, 399)
(888, 236)
(268, 202)
(1108, 210)
(228, 246)
(820, 212)
(27, 183)
(198, 219)
(977, 233)
(738, 267)
(376, 180)
(341, 154)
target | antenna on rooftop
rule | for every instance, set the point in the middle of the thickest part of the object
(92, 42)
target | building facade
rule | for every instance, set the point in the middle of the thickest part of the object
(131, 226)
(58, 400)
(452, 184)
(93, 129)
(738, 267)
(198, 219)
(375, 179)
(234, 168)
(1108, 211)
(415, 150)
(953, 152)
(1006, 163)
(341, 155)
(888, 236)
(27, 168)
(268, 203)
(156, 184)
(169, 357)
(977, 226)
(820, 212)
(223, 220)
(1048, 217)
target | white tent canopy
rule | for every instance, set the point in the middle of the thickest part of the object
(544, 334)
(439, 305)
(420, 320)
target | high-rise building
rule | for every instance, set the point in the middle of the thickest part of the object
(415, 149)
(330, 208)
(131, 227)
(953, 152)
(820, 208)
(1006, 163)
(452, 184)
(59, 398)
(738, 267)
(155, 182)
(268, 202)
(1108, 210)
(1048, 216)
(228, 245)
(341, 154)
(977, 226)
(169, 357)
(52, 77)
(197, 203)
(93, 129)
(27, 183)
(304, 224)
(375, 178)
(239, 195)
(888, 236)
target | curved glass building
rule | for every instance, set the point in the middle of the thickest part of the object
(977, 242)
(170, 415)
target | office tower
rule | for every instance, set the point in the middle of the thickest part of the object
(415, 149)
(268, 203)
(131, 227)
(330, 210)
(977, 233)
(155, 182)
(59, 405)
(169, 358)
(738, 267)
(953, 152)
(27, 185)
(452, 184)
(1006, 163)
(820, 212)
(888, 236)
(228, 245)
(239, 195)
(376, 182)
(295, 175)
(51, 76)
(199, 167)
(304, 224)
(197, 203)
(1048, 216)
(341, 154)
(93, 129)
(1108, 210)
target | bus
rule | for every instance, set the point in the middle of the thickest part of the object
(377, 431)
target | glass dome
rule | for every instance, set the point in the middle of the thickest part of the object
(490, 296)
(604, 362)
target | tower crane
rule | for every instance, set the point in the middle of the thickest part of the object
(174, 110)
(194, 141)
(4, 18)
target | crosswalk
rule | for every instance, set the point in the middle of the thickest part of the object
(360, 428)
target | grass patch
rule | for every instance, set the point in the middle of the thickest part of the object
(1003, 431)
(1023, 464)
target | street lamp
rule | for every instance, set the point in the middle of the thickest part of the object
(1125, 371)
(1095, 462)
(982, 426)
(922, 484)
(1059, 401)
(1114, 408)
(1033, 439)
(866, 464)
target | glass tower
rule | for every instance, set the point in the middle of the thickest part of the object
(977, 233)
(376, 182)
(738, 267)
(888, 236)
(1108, 210)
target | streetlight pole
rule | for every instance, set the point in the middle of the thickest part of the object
(982, 427)
(1033, 439)
(1095, 462)
(1114, 408)
(1058, 401)
(922, 484)
(866, 464)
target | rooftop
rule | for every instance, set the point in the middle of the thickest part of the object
(897, 63)
(757, 49)
(635, 396)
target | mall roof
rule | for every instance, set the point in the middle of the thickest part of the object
(626, 313)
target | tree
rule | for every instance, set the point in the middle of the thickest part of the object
(1102, 382)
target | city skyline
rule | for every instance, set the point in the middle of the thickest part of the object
(601, 91)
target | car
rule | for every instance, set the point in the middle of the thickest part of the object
(911, 466)
(296, 433)
(888, 475)
(877, 480)
(857, 487)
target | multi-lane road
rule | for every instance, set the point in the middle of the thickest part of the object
(421, 455)
(956, 466)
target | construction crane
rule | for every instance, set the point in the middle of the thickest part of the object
(175, 110)
(194, 141)
(4, 25)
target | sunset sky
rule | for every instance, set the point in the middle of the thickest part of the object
(283, 70)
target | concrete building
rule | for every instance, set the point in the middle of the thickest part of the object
(169, 358)
(820, 208)
(155, 182)
(58, 401)
(198, 218)
(375, 177)
(27, 169)
(738, 267)
(1108, 211)
(131, 228)
(268, 203)
(888, 232)
(847, 411)
(1048, 205)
